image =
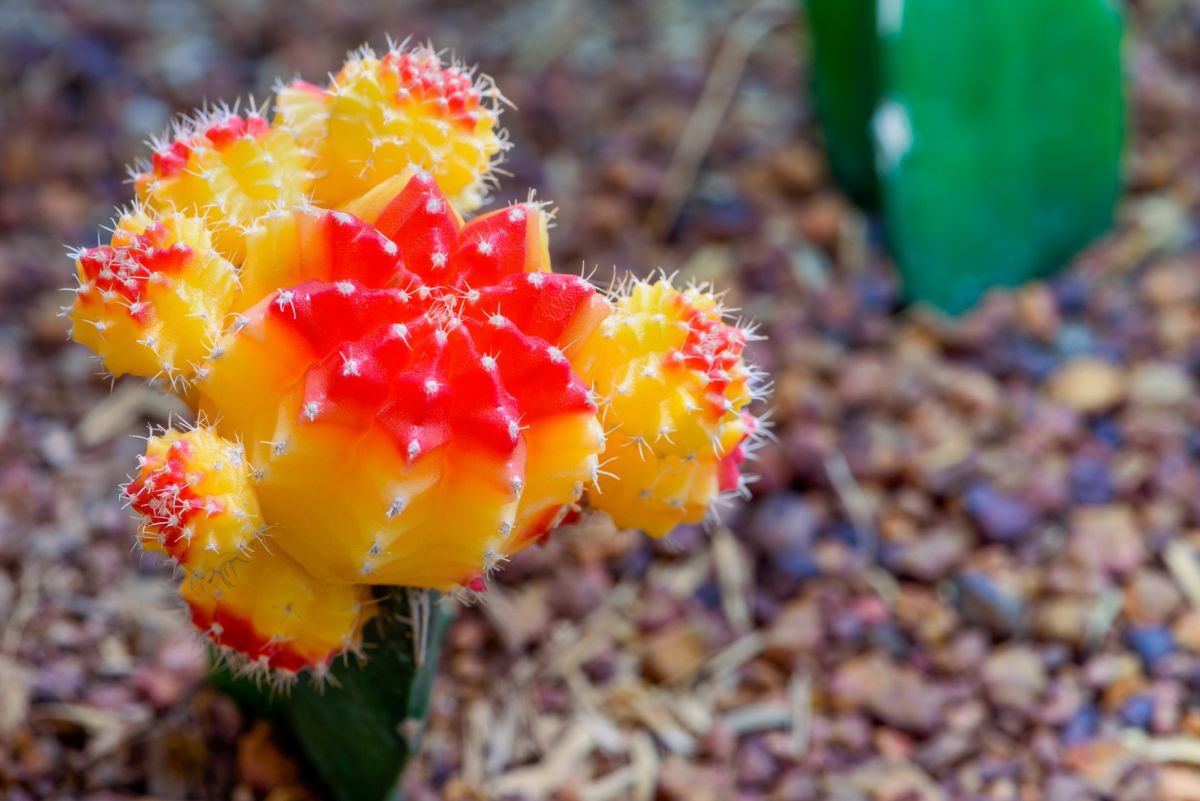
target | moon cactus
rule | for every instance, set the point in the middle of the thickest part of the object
(386, 393)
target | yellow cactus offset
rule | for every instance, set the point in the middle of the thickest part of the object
(194, 495)
(154, 301)
(382, 115)
(198, 507)
(227, 168)
(675, 390)
(268, 614)
(394, 395)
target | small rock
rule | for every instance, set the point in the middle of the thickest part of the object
(1000, 516)
(1138, 711)
(1091, 481)
(1151, 643)
(820, 219)
(1160, 384)
(755, 765)
(1087, 385)
(1062, 703)
(1172, 282)
(1015, 677)
(58, 447)
(898, 695)
(1186, 631)
(930, 556)
(1151, 598)
(982, 602)
(1037, 311)
(796, 630)
(1179, 783)
(1100, 763)
(1106, 538)
(783, 523)
(886, 781)
(1082, 726)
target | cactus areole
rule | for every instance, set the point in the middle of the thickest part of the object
(384, 392)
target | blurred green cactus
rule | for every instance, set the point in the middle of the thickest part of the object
(846, 85)
(996, 134)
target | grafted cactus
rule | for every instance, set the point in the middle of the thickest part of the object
(386, 395)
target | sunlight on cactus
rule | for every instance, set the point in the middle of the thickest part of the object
(387, 394)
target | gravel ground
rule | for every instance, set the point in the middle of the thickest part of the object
(969, 570)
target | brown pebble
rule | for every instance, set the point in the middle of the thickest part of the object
(1037, 312)
(1087, 385)
(795, 631)
(673, 653)
(1014, 676)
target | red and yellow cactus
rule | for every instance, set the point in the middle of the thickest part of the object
(388, 394)
(675, 391)
(381, 115)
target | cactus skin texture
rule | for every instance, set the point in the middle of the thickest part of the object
(153, 301)
(226, 168)
(675, 388)
(386, 394)
(380, 115)
(193, 492)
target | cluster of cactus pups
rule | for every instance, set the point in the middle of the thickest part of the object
(384, 393)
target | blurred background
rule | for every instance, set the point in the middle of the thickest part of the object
(969, 568)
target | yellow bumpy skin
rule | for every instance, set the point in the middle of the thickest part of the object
(674, 388)
(269, 612)
(154, 301)
(382, 115)
(228, 169)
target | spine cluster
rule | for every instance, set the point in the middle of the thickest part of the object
(398, 396)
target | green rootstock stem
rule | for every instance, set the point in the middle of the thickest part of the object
(359, 731)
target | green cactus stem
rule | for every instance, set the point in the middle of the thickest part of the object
(358, 731)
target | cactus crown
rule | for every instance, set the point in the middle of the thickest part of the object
(397, 396)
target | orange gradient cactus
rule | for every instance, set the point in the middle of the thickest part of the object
(418, 379)
(193, 493)
(386, 393)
